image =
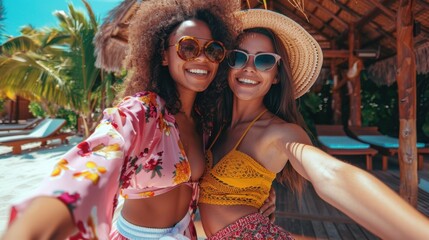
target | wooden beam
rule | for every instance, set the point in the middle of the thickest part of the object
(371, 15)
(406, 79)
(335, 53)
(348, 10)
(424, 30)
(383, 9)
(424, 4)
(302, 21)
(322, 8)
(359, 23)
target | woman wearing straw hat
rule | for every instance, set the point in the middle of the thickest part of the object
(261, 135)
(175, 50)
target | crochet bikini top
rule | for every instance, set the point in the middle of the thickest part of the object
(237, 179)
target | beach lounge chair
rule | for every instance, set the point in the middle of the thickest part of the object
(335, 141)
(14, 127)
(48, 129)
(386, 145)
(12, 131)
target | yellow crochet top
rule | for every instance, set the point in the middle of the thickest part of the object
(237, 179)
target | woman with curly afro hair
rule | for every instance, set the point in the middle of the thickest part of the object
(175, 75)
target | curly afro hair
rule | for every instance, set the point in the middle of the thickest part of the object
(149, 30)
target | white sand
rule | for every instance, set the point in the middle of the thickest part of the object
(23, 173)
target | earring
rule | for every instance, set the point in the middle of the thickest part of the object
(164, 61)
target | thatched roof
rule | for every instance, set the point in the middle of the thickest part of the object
(375, 24)
(384, 72)
(328, 21)
(112, 38)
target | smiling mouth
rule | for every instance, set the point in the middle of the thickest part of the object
(200, 72)
(247, 81)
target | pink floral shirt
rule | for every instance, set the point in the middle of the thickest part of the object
(135, 151)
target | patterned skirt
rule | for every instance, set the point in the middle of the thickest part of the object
(252, 226)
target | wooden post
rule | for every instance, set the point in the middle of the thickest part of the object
(336, 93)
(16, 110)
(354, 83)
(406, 78)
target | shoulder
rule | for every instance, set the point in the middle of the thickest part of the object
(143, 101)
(146, 98)
(142, 105)
(282, 131)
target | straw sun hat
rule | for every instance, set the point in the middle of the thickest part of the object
(305, 54)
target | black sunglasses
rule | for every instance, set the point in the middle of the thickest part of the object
(263, 61)
(188, 48)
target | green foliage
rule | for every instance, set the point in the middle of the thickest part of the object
(55, 66)
(36, 109)
(425, 127)
(309, 108)
(70, 116)
(423, 108)
(380, 107)
(1, 105)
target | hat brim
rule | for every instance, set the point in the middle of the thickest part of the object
(305, 54)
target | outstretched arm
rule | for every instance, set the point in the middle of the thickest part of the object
(358, 194)
(45, 218)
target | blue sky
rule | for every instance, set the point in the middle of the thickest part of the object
(38, 13)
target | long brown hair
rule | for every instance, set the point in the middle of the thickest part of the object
(279, 100)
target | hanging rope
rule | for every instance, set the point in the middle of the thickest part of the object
(248, 4)
(265, 4)
(298, 4)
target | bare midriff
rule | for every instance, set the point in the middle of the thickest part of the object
(162, 211)
(217, 217)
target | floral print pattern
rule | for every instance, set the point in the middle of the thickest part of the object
(135, 151)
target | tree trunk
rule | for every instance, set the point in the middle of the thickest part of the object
(354, 84)
(406, 78)
(336, 96)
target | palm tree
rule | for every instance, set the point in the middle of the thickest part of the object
(56, 66)
(84, 75)
(2, 12)
(33, 67)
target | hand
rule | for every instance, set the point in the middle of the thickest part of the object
(269, 207)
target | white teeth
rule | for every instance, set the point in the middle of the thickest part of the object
(198, 71)
(248, 81)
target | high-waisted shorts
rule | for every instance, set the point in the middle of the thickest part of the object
(126, 230)
(252, 226)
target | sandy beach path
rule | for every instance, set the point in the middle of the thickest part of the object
(21, 174)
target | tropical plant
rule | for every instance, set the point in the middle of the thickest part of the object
(55, 67)
(1, 105)
(380, 106)
(423, 107)
(84, 75)
(34, 67)
(2, 13)
(309, 108)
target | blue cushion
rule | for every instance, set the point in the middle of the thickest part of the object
(341, 142)
(384, 141)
